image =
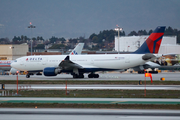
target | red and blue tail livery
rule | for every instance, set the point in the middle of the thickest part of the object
(153, 42)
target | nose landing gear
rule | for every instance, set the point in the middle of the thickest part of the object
(27, 76)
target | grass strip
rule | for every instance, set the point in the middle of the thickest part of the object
(109, 82)
(106, 106)
(99, 93)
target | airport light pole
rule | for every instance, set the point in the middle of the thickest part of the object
(31, 26)
(118, 29)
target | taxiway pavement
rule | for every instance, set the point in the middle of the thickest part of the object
(89, 100)
(87, 114)
(171, 76)
(90, 87)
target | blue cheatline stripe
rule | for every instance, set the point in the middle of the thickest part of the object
(86, 70)
(154, 47)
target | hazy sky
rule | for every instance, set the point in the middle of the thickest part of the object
(74, 18)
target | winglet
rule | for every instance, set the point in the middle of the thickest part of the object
(153, 42)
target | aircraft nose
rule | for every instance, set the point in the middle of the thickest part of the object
(13, 65)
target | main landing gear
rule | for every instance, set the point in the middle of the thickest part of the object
(153, 72)
(78, 76)
(93, 75)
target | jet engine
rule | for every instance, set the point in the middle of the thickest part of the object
(13, 71)
(51, 71)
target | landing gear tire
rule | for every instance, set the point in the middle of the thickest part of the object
(93, 76)
(27, 76)
(90, 76)
(141, 72)
(153, 72)
(81, 76)
(96, 76)
(74, 76)
(78, 76)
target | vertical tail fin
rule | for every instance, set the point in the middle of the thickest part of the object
(78, 49)
(153, 42)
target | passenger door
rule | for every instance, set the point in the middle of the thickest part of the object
(44, 61)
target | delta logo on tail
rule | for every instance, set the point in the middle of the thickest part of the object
(153, 42)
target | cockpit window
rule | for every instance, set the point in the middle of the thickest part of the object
(15, 61)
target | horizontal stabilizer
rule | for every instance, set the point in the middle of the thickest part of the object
(148, 56)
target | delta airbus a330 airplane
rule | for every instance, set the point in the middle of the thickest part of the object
(77, 65)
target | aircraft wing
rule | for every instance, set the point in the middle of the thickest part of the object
(69, 65)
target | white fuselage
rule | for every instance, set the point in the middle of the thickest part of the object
(107, 61)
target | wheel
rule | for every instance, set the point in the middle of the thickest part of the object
(96, 75)
(153, 72)
(90, 76)
(140, 72)
(27, 76)
(93, 76)
(81, 76)
(75, 76)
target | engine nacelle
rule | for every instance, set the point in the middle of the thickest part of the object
(13, 71)
(51, 71)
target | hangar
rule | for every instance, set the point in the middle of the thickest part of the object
(132, 43)
(13, 51)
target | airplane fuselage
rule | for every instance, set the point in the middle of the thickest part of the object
(96, 62)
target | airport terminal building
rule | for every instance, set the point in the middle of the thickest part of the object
(13, 51)
(132, 43)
